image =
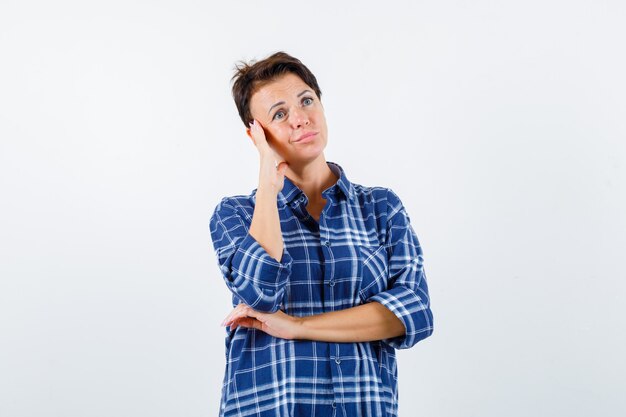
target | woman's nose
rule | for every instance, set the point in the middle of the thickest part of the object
(298, 118)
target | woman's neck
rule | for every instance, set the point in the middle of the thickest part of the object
(312, 178)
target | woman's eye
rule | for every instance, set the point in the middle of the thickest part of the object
(279, 115)
(307, 101)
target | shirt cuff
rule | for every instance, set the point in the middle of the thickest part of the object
(410, 309)
(252, 264)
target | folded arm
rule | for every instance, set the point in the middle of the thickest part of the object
(400, 315)
(364, 323)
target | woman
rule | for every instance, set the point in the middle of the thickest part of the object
(326, 275)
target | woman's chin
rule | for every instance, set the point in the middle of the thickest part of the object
(307, 158)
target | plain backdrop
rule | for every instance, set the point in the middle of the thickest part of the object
(501, 125)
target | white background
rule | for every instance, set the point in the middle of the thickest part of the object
(501, 125)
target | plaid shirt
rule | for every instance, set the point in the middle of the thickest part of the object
(363, 249)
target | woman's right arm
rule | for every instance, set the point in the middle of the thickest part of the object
(250, 252)
(265, 227)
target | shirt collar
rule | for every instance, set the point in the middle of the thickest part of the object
(343, 183)
(291, 191)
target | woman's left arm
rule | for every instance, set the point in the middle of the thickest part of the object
(364, 323)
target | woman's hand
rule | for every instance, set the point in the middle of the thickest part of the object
(276, 324)
(272, 167)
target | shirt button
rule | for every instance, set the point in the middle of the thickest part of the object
(337, 361)
(327, 244)
(334, 404)
(331, 283)
(302, 199)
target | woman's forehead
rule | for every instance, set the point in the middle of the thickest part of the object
(286, 87)
(286, 84)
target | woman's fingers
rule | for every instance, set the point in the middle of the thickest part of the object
(240, 312)
(272, 166)
(247, 322)
(257, 134)
(277, 324)
(235, 313)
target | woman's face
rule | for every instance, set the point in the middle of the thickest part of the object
(292, 117)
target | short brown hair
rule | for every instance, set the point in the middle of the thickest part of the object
(250, 76)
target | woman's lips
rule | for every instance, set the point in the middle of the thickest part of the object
(307, 137)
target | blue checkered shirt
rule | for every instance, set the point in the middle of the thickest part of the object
(363, 249)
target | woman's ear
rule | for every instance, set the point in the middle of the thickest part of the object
(249, 133)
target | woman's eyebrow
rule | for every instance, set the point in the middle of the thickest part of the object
(280, 103)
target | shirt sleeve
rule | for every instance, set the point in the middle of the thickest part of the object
(407, 294)
(248, 270)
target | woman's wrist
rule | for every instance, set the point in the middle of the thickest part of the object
(299, 329)
(265, 191)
